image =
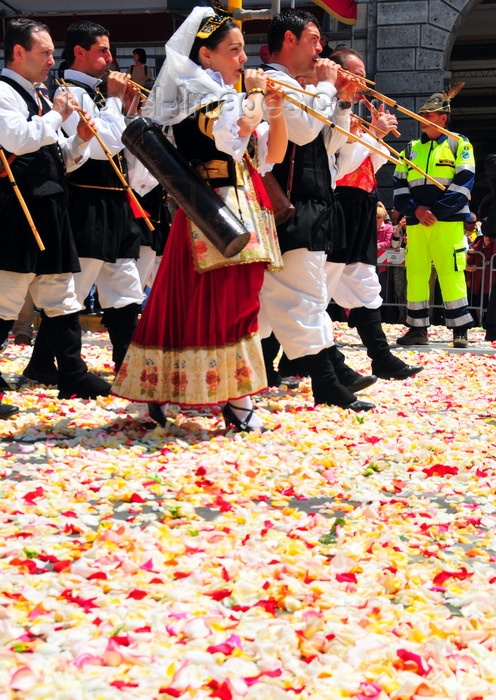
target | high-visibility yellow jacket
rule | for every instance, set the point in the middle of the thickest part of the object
(451, 163)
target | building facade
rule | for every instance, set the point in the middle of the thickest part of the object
(416, 47)
(411, 48)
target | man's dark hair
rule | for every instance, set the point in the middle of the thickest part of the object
(293, 20)
(83, 33)
(213, 40)
(342, 54)
(20, 31)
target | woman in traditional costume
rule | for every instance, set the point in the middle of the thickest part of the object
(197, 341)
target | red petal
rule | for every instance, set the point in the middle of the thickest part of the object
(137, 594)
(221, 594)
(136, 498)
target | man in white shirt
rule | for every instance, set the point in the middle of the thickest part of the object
(107, 235)
(39, 156)
(294, 300)
(353, 281)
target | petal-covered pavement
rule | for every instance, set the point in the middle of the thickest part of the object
(337, 555)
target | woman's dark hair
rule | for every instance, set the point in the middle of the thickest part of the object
(20, 31)
(84, 34)
(290, 20)
(141, 53)
(212, 41)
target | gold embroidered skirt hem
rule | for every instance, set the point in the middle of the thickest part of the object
(192, 376)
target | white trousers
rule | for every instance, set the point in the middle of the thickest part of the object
(146, 265)
(118, 283)
(55, 294)
(293, 304)
(352, 286)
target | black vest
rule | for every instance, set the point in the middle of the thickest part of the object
(315, 223)
(198, 148)
(97, 173)
(311, 176)
(40, 173)
(41, 179)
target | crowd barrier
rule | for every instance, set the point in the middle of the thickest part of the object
(481, 282)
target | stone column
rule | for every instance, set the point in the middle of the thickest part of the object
(413, 40)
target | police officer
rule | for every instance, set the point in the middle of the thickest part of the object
(435, 219)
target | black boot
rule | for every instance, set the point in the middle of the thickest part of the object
(270, 348)
(384, 364)
(8, 410)
(347, 376)
(121, 324)
(490, 333)
(4, 385)
(5, 327)
(64, 335)
(326, 387)
(41, 367)
(291, 368)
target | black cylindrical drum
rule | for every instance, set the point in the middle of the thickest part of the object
(146, 140)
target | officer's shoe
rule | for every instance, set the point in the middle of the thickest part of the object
(460, 339)
(414, 336)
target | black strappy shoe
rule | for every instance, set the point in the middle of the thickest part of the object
(156, 414)
(230, 418)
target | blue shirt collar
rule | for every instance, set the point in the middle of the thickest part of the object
(424, 138)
